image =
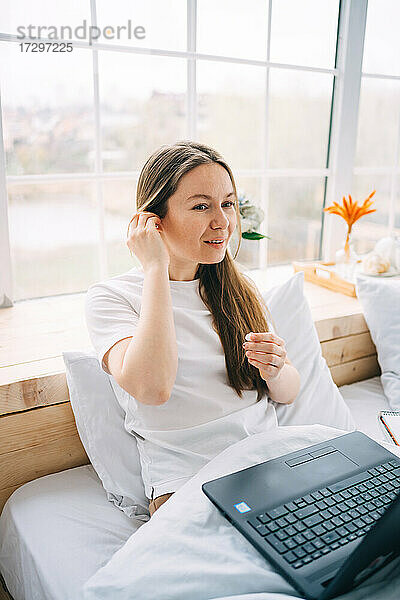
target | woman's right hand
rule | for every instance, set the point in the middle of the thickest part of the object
(145, 240)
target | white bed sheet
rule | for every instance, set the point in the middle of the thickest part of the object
(365, 399)
(57, 531)
(197, 552)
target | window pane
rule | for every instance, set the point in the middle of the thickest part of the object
(120, 204)
(231, 111)
(164, 22)
(294, 218)
(53, 237)
(370, 228)
(233, 28)
(48, 121)
(44, 13)
(304, 33)
(143, 105)
(299, 118)
(378, 122)
(382, 40)
(251, 187)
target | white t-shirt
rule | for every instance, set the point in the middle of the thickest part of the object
(204, 415)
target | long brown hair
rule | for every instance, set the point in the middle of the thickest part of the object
(232, 298)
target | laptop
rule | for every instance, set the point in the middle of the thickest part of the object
(326, 516)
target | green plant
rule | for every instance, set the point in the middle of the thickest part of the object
(251, 218)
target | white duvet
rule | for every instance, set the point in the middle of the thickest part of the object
(189, 551)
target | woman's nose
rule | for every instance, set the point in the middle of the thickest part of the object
(220, 220)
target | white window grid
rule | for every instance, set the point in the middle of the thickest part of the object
(392, 171)
(341, 146)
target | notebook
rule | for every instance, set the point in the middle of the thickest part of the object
(390, 420)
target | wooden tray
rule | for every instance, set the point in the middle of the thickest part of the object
(322, 274)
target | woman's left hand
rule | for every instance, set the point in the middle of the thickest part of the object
(267, 352)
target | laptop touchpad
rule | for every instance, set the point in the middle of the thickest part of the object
(332, 460)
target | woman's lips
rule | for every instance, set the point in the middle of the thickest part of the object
(215, 245)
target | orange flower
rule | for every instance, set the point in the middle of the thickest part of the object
(351, 211)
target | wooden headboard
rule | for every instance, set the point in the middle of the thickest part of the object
(38, 434)
(38, 440)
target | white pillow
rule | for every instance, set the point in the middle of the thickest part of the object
(319, 399)
(380, 301)
(99, 419)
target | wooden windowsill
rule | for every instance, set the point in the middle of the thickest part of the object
(35, 333)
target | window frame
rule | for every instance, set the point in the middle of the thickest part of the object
(342, 140)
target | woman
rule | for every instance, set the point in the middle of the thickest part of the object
(175, 335)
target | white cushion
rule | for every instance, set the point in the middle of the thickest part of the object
(113, 451)
(99, 419)
(380, 300)
(319, 399)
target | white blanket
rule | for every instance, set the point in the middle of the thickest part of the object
(189, 551)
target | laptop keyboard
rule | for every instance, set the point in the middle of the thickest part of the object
(314, 525)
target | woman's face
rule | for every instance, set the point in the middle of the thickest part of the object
(201, 209)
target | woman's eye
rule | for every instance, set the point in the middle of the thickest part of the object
(229, 202)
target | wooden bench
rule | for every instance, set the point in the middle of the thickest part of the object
(38, 435)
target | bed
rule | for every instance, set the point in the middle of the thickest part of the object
(62, 539)
(83, 530)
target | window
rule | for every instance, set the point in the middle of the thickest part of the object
(377, 160)
(262, 81)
